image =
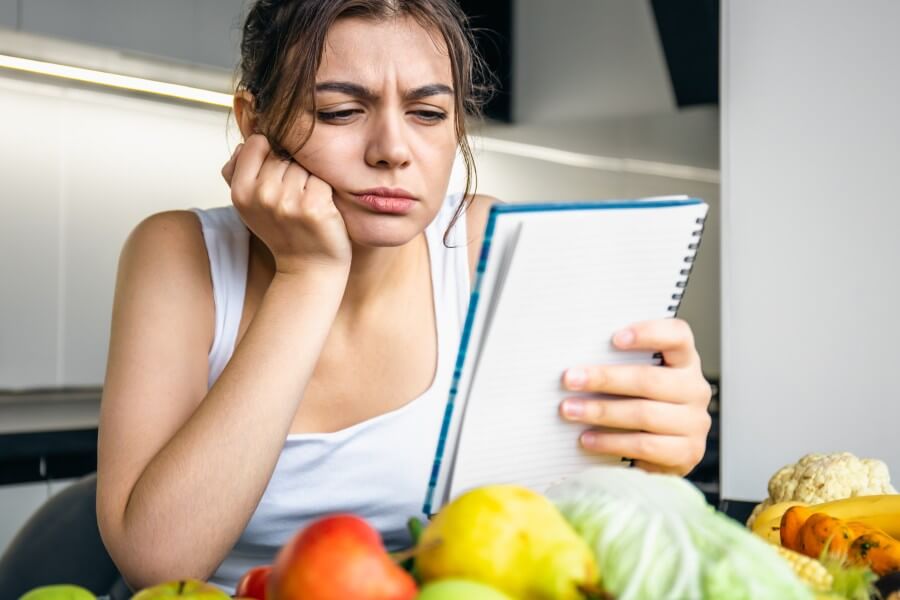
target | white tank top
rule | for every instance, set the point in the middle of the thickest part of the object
(377, 469)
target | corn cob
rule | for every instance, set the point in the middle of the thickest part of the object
(809, 570)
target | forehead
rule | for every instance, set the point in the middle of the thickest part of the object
(370, 52)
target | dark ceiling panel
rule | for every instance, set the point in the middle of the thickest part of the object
(492, 23)
(689, 32)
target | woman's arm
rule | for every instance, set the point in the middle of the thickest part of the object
(182, 470)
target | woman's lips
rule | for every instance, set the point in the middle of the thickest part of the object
(387, 200)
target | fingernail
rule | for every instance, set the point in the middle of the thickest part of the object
(576, 378)
(573, 409)
(624, 338)
(588, 438)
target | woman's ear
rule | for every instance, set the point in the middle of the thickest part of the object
(244, 113)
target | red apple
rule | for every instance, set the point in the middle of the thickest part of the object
(336, 558)
(253, 583)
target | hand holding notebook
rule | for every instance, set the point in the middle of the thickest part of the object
(555, 282)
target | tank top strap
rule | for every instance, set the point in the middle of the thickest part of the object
(228, 246)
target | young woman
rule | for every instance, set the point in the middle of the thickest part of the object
(289, 356)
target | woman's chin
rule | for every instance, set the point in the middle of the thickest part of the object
(382, 235)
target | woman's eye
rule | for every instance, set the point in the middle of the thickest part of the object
(430, 115)
(337, 115)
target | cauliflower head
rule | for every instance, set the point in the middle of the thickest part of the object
(818, 478)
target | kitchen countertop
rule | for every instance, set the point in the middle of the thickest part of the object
(49, 410)
(48, 434)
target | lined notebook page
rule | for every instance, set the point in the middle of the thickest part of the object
(574, 279)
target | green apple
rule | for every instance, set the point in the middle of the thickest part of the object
(190, 589)
(59, 592)
(453, 589)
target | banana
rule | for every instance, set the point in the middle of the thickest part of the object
(882, 512)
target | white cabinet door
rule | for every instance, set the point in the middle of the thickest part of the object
(29, 219)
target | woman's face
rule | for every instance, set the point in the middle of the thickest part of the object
(385, 118)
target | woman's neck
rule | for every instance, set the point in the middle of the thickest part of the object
(379, 280)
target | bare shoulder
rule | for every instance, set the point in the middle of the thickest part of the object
(160, 230)
(476, 220)
(167, 248)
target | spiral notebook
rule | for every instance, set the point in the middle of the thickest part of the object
(554, 283)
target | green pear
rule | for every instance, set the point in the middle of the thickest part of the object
(188, 589)
(454, 589)
(510, 538)
(59, 592)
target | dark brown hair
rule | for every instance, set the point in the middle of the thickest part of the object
(282, 46)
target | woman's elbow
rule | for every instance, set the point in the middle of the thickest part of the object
(143, 563)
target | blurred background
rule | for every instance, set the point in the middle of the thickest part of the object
(782, 116)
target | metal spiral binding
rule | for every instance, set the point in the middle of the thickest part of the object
(689, 259)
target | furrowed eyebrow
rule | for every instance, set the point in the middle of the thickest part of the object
(364, 93)
(345, 87)
(425, 91)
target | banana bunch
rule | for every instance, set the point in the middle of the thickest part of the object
(882, 512)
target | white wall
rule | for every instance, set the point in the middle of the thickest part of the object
(811, 235)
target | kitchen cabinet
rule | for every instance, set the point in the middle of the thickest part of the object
(194, 31)
(9, 13)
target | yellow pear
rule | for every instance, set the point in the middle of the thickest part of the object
(511, 538)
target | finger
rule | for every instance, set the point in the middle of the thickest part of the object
(295, 177)
(672, 337)
(247, 165)
(228, 168)
(664, 450)
(273, 169)
(666, 384)
(638, 415)
(643, 381)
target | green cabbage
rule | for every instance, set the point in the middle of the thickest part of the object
(655, 537)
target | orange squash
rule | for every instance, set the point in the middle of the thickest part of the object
(820, 531)
(810, 533)
(877, 549)
(791, 522)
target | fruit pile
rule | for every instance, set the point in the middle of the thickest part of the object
(493, 543)
(608, 533)
(847, 546)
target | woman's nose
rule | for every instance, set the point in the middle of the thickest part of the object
(387, 146)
